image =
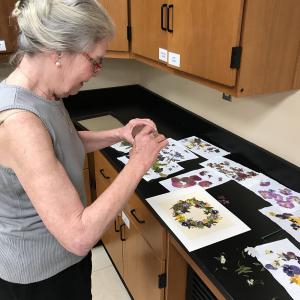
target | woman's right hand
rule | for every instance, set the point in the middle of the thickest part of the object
(147, 145)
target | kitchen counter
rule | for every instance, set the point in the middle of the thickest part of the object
(125, 103)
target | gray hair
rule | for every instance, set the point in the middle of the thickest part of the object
(60, 25)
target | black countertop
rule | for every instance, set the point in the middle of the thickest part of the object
(129, 102)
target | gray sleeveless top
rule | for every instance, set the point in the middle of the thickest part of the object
(28, 251)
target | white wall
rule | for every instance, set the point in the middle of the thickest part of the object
(270, 121)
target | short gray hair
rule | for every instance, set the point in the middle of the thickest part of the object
(60, 25)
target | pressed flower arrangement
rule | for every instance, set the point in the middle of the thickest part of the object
(182, 207)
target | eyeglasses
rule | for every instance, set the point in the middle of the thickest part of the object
(96, 65)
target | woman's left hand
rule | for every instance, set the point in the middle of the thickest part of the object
(133, 127)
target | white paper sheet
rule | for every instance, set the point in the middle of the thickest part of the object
(290, 222)
(202, 147)
(233, 170)
(282, 260)
(194, 238)
(277, 194)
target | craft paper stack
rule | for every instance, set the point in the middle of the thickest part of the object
(196, 218)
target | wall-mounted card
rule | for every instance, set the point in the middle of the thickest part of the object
(205, 177)
(290, 222)
(196, 218)
(233, 170)
(202, 148)
(158, 170)
(277, 194)
(282, 260)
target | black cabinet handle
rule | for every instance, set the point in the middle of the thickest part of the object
(162, 9)
(116, 230)
(102, 173)
(170, 8)
(134, 215)
(121, 233)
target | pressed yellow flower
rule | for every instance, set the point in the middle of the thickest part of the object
(180, 218)
(295, 219)
(295, 279)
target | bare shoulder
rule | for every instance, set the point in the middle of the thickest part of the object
(23, 137)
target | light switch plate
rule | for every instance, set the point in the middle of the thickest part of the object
(163, 54)
(174, 59)
(2, 45)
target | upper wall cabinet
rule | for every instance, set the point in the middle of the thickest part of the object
(241, 47)
(8, 32)
(118, 10)
(193, 32)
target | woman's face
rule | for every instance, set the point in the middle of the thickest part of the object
(78, 68)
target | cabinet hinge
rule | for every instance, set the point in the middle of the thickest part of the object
(162, 281)
(236, 54)
(129, 33)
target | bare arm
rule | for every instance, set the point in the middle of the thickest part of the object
(29, 152)
(95, 140)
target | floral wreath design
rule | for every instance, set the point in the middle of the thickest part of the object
(183, 206)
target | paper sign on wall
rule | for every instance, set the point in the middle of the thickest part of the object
(163, 54)
(174, 59)
(2, 45)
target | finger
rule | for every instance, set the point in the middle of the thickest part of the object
(148, 122)
(146, 130)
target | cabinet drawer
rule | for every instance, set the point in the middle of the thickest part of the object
(103, 168)
(147, 225)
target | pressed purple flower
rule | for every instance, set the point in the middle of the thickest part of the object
(214, 211)
(270, 267)
(293, 199)
(266, 194)
(205, 183)
(195, 177)
(290, 255)
(277, 197)
(291, 270)
(265, 183)
(286, 204)
(285, 191)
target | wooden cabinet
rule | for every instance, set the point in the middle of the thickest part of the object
(118, 10)
(236, 46)
(8, 31)
(135, 241)
(142, 269)
(200, 33)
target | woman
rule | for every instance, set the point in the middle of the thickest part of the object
(46, 233)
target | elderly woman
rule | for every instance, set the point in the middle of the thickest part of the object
(46, 233)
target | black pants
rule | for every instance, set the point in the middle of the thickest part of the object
(73, 283)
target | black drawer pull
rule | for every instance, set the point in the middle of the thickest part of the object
(121, 233)
(162, 8)
(102, 173)
(116, 230)
(134, 215)
(170, 7)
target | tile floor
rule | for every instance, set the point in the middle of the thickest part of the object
(106, 284)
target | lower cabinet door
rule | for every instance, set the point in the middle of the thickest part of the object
(113, 244)
(141, 267)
